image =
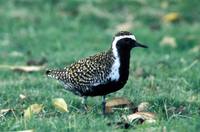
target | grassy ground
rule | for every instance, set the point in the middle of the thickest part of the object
(63, 32)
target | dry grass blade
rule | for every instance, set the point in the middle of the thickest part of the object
(190, 66)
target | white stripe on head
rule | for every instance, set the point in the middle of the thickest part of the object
(116, 39)
(114, 74)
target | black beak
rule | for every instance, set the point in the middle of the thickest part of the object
(140, 45)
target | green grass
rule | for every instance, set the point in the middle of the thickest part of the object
(65, 31)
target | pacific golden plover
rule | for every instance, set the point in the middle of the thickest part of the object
(101, 74)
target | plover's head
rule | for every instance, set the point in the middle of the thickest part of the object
(125, 40)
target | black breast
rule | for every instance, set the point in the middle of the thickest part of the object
(113, 86)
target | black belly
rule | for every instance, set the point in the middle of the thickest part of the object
(104, 89)
(112, 86)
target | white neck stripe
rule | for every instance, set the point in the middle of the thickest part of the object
(116, 39)
(114, 74)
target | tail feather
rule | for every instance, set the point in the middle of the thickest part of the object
(57, 74)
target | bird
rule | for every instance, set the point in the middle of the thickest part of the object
(100, 74)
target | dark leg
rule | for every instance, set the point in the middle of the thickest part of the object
(84, 102)
(104, 104)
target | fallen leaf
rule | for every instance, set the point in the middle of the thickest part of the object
(168, 41)
(136, 118)
(143, 117)
(22, 68)
(60, 104)
(32, 109)
(171, 17)
(143, 107)
(116, 103)
(27, 68)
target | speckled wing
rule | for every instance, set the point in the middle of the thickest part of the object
(90, 71)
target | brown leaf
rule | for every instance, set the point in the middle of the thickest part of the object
(168, 41)
(60, 104)
(171, 17)
(27, 68)
(32, 109)
(146, 117)
(22, 68)
(119, 102)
